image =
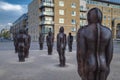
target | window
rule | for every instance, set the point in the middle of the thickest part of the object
(73, 5)
(73, 21)
(61, 20)
(108, 17)
(73, 13)
(104, 17)
(61, 3)
(61, 12)
(47, 28)
(73, 29)
(81, 23)
(81, 7)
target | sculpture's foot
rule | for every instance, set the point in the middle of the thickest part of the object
(70, 50)
(15, 51)
(21, 60)
(41, 49)
(49, 53)
(62, 65)
(26, 57)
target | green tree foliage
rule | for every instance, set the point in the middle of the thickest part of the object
(6, 34)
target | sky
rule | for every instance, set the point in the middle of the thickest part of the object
(11, 10)
(115, 1)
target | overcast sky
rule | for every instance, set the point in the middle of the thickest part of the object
(10, 10)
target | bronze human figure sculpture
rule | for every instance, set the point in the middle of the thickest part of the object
(15, 42)
(94, 48)
(28, 38)
(41, 40)
(70, 41)
(61, 46)
(21, 42)
(50, 41)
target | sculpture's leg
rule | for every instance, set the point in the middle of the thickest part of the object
(104, 74)
(41, 46)
(90, 76)
(49, 52)
(70, 47)
(60, 58)
(21, 54)
(50, 49)
(64, 60)
(27, 53)
(21, 57)
(63, 57)
(16, 49)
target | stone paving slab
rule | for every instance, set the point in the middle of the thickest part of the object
(40, 66)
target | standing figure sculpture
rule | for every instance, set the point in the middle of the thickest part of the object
(94, 48)
(21, 42)
(70, 41)
(50, 41)
(41, 40)
(61, 46)
(28, 38)
(15, 42)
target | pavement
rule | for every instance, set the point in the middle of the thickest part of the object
(41, 66)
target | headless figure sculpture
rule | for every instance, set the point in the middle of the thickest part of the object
(28, 38)
(94, 48)
(50, 41)
(15, 42)
(21, 42)
(41, 41)
(70, 41)
(61, 45)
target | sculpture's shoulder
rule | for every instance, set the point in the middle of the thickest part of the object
(64, 34)
(107, 30)
(82, 30)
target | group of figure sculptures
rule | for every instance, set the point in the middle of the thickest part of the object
(61, 43)
(94, 47)
(22, 42)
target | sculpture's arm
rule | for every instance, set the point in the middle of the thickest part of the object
(81, 47)
(109, 51)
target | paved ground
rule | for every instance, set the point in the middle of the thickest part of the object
(40, 66)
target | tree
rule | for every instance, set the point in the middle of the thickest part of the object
(6, 34)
